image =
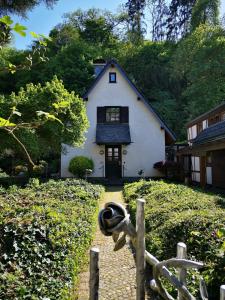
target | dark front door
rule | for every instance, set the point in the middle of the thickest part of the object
(113, 161)
(218, 168)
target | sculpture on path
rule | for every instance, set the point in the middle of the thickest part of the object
(115, 221)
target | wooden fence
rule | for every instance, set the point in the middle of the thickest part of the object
(116, 222)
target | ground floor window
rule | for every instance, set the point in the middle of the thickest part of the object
(195, 168)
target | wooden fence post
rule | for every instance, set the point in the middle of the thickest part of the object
(140, 250)
(182, 273)
(94, 274)
(222, 292)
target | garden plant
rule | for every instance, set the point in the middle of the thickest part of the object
(177, 213)
(45, 231)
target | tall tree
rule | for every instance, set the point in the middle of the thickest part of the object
(205, 12)
(174, 20)
(136, 14)
(20, 7)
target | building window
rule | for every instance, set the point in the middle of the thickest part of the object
(209, 159)
(112, 114)
(112, 77)
(199, 127)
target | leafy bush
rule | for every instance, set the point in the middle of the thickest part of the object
(79, 164)
(45, 230)
(3, 174)
(176, 213)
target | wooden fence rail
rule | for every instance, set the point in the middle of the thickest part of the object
(114, 220)
(94, 274)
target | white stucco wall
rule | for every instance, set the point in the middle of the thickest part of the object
(148, 139)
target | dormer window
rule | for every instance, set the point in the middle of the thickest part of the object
(112, 77)
(112, 114)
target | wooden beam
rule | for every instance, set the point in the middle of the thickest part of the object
(140, 250)
(94, 274)
(222, 292)
(182, 273)
(203, 171)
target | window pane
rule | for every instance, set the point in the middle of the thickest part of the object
(112, 77)
(112, 114)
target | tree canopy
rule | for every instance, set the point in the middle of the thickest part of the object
(21, 6)
(42, 118)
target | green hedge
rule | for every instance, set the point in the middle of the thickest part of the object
(176, 213)
(45, 231)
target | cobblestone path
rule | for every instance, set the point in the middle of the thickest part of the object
(117, 269)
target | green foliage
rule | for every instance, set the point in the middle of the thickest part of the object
(3, 174)
(79, 164)
(41, 106)
(45, 231)
(202, 68)
(176, 213)
(205, 12)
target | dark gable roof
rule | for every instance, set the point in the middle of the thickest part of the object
(113, 134)
(207, 114)
(213, 133)
(134, 88)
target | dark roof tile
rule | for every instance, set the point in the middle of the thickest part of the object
(113, 134)
(212, 133)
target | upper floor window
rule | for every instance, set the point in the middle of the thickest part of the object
(213, 120)
(112, 114)
(112, 77)
(199, 127)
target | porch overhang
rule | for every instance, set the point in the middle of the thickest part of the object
(113, 134)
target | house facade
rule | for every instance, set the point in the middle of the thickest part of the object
(205, 155)
(126, 136)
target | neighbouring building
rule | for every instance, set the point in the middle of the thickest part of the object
(126, 136)
(204, 158)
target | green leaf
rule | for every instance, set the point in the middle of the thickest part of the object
(53, 118)
(20, 29)
(62, 104)
(221, 233)
(48, 116)
(12, 68)
(34, 35)
(6, 123)
(6, 20)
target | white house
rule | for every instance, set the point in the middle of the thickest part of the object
(125, 135)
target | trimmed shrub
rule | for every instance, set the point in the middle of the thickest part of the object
(177, 213)
(79, 164)
(45, 231)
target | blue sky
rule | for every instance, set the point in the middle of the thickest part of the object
(42, 20)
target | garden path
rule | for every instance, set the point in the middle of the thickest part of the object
(117, 269)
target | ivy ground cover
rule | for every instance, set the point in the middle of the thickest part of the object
(45, 231)
(177, 213)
